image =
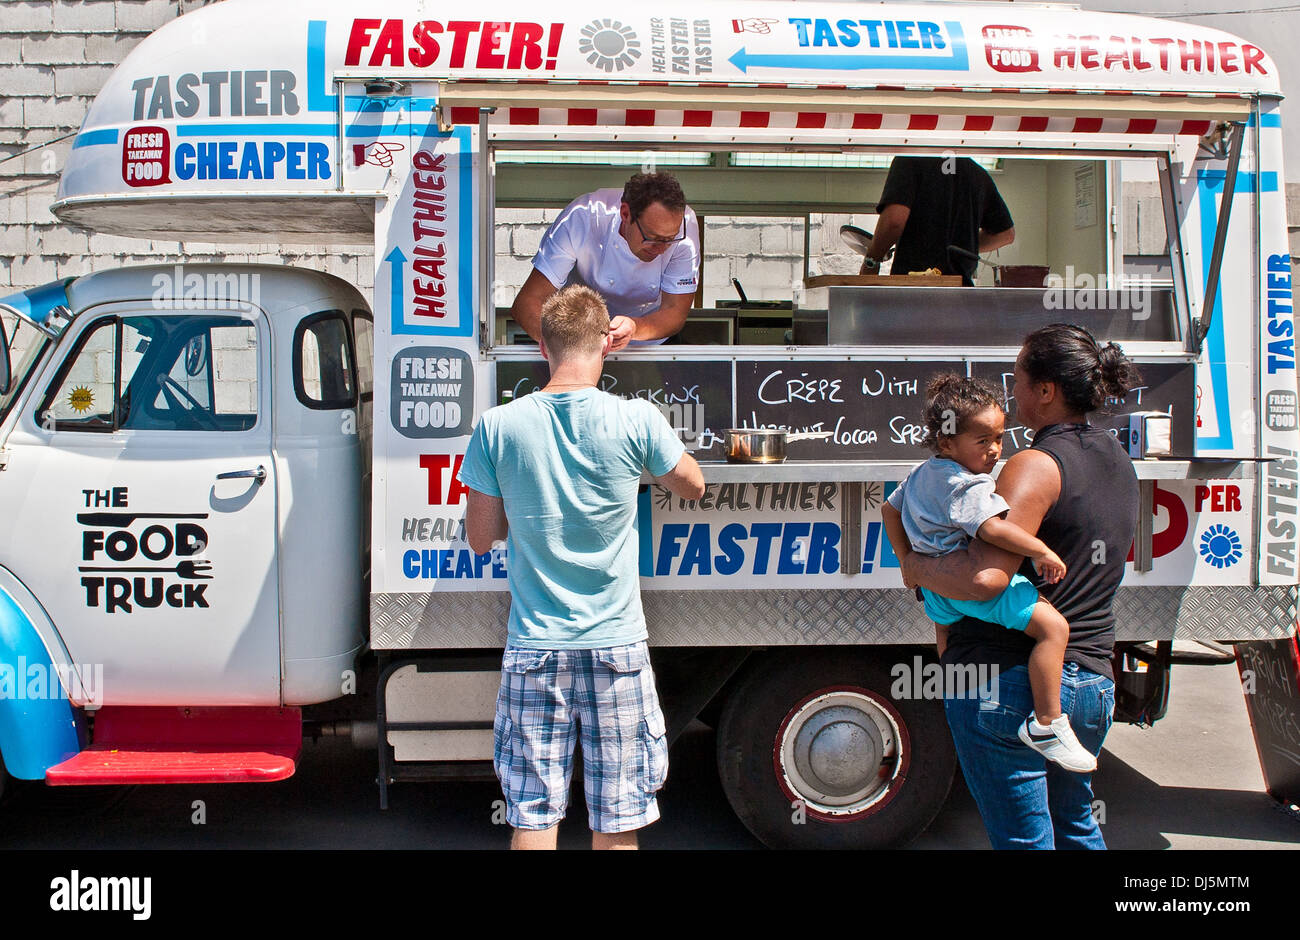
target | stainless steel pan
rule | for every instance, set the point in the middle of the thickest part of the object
(763, 445)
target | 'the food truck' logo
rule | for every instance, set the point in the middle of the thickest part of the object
(146, 156)
(1010, 49)
(608, 45)
(127, 567)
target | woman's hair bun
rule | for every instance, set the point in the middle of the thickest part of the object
(1118, 374)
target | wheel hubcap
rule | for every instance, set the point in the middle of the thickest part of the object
(840, 752)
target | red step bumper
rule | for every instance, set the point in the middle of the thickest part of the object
(186, 745)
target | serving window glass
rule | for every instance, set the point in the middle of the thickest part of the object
(771, 220)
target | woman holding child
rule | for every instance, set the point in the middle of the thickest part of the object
(1070, 504)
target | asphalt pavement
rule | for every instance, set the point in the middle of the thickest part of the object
(1190, 782)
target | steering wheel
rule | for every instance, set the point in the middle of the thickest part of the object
(170, 388)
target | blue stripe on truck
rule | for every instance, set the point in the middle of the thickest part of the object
(37, 725)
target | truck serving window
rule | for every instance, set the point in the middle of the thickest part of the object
(776, 269)
(158, 373)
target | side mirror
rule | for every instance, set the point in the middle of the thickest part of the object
(6, 373)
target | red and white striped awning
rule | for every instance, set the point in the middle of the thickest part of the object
(998, 111)
(818, 120)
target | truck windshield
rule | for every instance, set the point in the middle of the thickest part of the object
(27, 346)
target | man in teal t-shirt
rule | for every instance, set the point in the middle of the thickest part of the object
(555, 475)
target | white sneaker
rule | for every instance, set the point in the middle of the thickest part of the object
(1057, 743)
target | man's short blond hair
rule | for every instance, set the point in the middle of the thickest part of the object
(575, 322)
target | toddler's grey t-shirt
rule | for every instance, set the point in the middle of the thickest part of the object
(943, 505)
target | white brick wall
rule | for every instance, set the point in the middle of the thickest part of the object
(28, 17)
(74, 16)
(56, 55)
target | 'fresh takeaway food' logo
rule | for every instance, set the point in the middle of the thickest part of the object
(1010, 49)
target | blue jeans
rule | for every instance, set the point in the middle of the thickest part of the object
(1027, 802)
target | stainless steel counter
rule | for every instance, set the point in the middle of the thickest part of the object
(998, 316)
(866, 471)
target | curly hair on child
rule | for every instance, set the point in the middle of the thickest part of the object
(950, 399)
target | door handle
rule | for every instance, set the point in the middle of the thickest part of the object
(259, 475)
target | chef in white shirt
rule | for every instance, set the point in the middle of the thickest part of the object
(638, 249)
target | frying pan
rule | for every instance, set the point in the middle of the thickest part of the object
(859, 239)
(1008, 275)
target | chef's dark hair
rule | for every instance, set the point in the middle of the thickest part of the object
(952, 399)
(645, 188)
(1086, 372)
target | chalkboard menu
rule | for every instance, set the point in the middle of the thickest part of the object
(1167, 387)
(871, 407)
(694, 396)
(1270, 677)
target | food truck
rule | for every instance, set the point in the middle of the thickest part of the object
(231, 493)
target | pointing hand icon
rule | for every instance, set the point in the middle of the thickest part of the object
(381, 154)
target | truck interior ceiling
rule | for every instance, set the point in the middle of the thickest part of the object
(774, 262)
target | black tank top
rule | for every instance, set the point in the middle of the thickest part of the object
(1091, 526)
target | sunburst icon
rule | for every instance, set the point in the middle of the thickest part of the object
(609, 45)
(1220, 546)
(81, 399)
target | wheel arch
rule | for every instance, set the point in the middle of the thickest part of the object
(38, 732)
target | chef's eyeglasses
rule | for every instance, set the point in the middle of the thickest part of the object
(660, 241)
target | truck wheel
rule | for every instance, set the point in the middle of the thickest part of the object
(814, 753)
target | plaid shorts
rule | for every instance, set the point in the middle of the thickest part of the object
(605, 696)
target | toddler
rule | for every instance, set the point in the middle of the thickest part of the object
(949, 500)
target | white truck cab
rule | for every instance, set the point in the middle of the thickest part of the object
(185, 453)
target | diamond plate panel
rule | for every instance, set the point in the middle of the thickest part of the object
(1205, 613)
(450, 620)
(467, 620)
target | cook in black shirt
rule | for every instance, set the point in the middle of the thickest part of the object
(930, 203)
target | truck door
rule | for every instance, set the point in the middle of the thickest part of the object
(143, 485)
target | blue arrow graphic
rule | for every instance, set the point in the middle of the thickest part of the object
(318, 99)
(956, 60)
(396, 298)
